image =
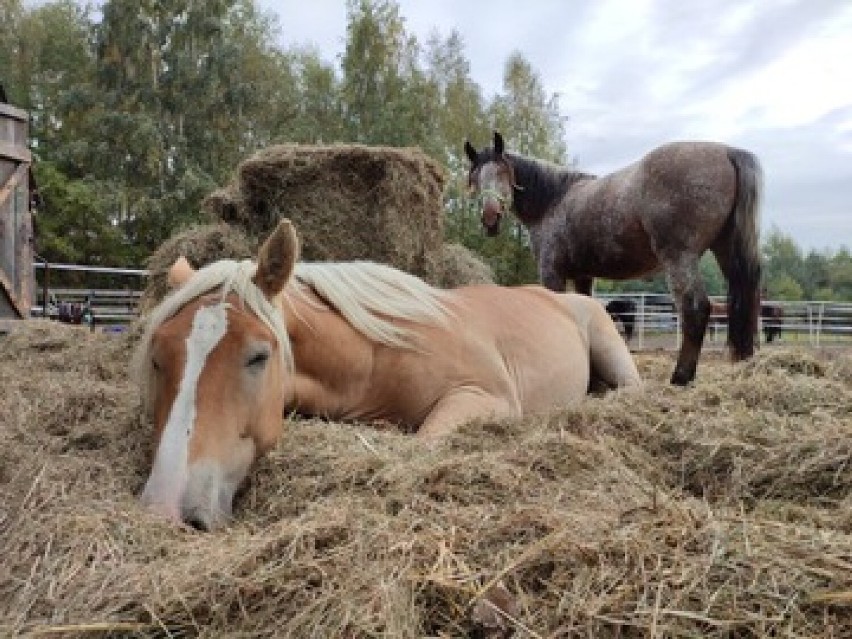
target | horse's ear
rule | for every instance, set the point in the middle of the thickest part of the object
(472, 155)
(180, 272)
(498, 143)
(277, 258)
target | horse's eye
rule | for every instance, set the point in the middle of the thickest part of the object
(155, 365)
(258, 360)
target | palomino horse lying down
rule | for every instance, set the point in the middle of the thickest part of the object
(238, 344)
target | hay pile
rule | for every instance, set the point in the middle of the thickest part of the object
(200, 245)
(459, 266)
(349, 202)
(716, 511)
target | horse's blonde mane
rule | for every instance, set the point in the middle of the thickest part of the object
(368, 295)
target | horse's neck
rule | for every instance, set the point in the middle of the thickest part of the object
(302, 310)
(540, 186)
(332, 360)
(312, 321)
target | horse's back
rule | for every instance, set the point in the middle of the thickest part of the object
(681, 194)
(557, 339)
(505, 351)
(537, 339)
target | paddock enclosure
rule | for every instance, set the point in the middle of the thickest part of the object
(718, 510)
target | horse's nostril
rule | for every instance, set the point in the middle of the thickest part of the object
(198, 523)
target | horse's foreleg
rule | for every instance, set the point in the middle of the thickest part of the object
(694, 308)
(458, 408)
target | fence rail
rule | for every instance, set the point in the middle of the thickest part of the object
(109, 308)
(656, 322)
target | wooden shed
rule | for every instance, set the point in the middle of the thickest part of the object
(17, 276)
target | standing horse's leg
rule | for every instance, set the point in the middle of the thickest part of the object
(583, 285)
(687, 288)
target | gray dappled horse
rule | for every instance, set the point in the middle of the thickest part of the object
(660, 213)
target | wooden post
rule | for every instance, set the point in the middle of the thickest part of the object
(17, 277)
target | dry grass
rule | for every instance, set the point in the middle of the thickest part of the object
(721, 510)
(459, 266)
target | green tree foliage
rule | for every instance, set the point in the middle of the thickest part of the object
(142, 107)
(818, 276)
(184, 87)
(385, 94)
(71, 226)
(13, 70)
(840, 274)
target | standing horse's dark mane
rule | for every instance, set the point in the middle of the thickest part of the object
(541, 185)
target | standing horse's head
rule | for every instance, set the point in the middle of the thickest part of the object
(492, 177)
(213, 367)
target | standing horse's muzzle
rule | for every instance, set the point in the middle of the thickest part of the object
(492, 213)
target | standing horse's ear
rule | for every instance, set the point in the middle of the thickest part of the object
(472, 155)
(276, 259)
(498, 143)
(180, 272)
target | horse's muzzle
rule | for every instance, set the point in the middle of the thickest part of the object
(491, 216)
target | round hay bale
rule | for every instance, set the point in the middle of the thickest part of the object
(200, 245)
(459, 266)
(349, 202)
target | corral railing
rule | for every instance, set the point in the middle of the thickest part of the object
(109, 307)
(657, 325)
(656, 322)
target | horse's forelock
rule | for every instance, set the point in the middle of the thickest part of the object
(483, 157)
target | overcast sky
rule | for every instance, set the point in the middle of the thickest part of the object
(772, 76)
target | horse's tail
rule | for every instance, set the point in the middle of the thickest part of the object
(744, 264)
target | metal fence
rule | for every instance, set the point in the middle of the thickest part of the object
(817, 323)
(656, 322)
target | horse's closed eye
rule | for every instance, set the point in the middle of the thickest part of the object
(258, 360)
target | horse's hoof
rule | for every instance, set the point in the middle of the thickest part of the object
(681, 379)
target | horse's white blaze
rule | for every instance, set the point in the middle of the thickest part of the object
(169, 475)
(492, 182)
